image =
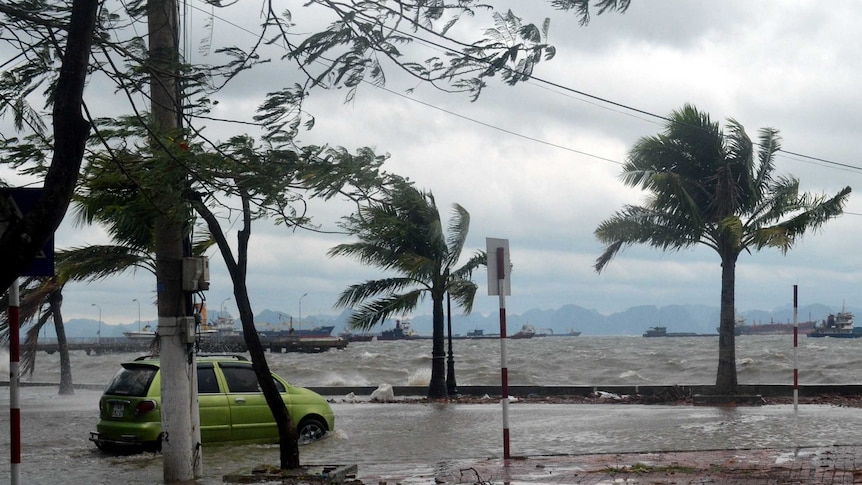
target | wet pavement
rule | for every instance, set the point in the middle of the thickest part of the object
(819, 465)
(435, 443)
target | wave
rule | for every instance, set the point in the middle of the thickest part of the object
(630, 375)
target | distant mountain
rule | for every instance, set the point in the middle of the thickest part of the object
(632, 321)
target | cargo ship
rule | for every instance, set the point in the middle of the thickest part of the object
(839, 325)
(662, 332)
(771, 328)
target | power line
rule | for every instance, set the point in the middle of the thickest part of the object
(595, 100)
(498, 128)
(611, 102)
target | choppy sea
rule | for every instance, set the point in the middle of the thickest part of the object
(540, 361)
(416, 437)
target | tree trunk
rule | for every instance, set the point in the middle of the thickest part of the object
(437, 387)
(21, 243)
(725, 382)
(55, 300)
(287, 433)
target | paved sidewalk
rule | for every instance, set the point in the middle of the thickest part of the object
(821, 465)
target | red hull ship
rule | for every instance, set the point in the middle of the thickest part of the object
(805, 328)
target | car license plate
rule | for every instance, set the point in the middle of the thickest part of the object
(117, 410)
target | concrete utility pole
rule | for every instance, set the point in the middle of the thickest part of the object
(180, 415)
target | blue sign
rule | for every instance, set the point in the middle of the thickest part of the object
(15, 203)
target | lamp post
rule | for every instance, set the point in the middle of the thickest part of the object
(221, 313)
(300, 309)
(451, 385)
(139, 313)
(99, 333)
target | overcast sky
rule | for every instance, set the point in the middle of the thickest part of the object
(539, 164)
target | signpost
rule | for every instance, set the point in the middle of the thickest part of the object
(14, 205)
(795, 348)
(500, 284)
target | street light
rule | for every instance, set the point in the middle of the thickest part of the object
(99, 333)
(300, 309)
(139, 313)
(221, 313)
(451, 385)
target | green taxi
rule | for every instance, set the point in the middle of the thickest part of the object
(232, 406)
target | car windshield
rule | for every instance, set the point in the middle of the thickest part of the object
(132, 380)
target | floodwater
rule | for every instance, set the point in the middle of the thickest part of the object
(56, 449)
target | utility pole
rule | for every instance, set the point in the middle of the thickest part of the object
(180, 415)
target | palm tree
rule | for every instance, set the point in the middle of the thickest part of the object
(712, 188)
(41, 299)
(109, 197)
(404, 233)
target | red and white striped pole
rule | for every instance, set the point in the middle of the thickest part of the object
(14, 378)
(504, 370)
(795, 348)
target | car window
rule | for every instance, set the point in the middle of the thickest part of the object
(132, 380)
(207, 383)
(241, 378)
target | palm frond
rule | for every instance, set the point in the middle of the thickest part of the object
(463, 292)
(465, 272)
(358, 293)
(369, 314)
(92, 263)
(459, 227)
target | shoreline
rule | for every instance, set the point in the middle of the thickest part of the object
(846, 395)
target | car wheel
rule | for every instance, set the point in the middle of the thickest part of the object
(311, 429)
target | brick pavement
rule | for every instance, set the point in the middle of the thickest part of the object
(820, 465)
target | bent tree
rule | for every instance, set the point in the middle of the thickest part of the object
(404, 234)
(716, 188)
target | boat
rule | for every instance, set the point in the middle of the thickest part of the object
(402, 331)
(477, 334)
(144, 333)
(323, 331)
(662, 332)
(222, 326)
(527, 331)
(550, 333)
(839, 325)
(771, 328)
(354, 337)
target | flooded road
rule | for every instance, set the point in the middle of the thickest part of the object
(56, 430)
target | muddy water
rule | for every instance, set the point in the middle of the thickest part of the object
(56, 428)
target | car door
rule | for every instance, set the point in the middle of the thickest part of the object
(251, 418)
(213, 404)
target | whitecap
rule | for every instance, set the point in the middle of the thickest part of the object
(420, 377)
(632, 374)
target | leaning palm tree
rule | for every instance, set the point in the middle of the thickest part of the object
(404, 233)
(713, 188)
(41, 298)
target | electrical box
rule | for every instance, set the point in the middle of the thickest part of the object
(187, 329)
(196, 273)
